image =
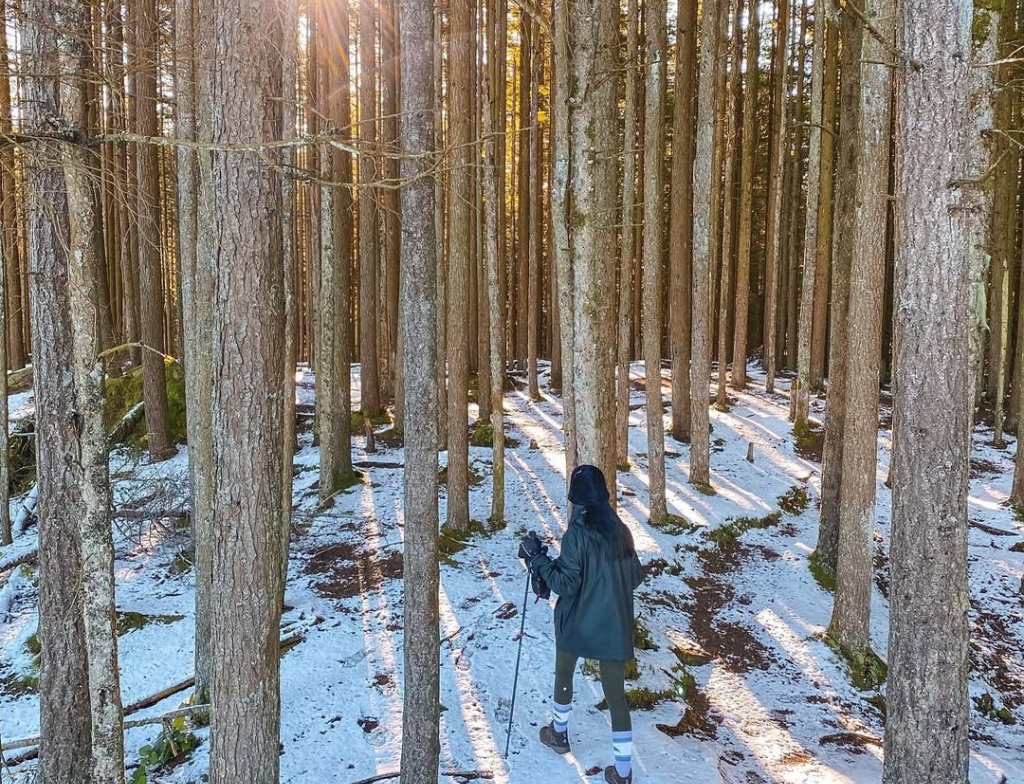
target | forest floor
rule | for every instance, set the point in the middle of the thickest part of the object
(737, 683)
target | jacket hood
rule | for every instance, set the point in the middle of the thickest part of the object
(587, 486)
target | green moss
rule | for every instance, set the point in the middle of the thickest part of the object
(33, 646)
(821, 572)
(704, 489)
(1017, 548)
(482, 435)
(674, 525)
(810, 444)
(795, 500)
(21, 456)
(1018, 510)
(592, 669)
(692, 657)
(986, 706)
(180, 564)
(451, 540)
(472, 477)
(867, 670)
(19, 381)
(125, 392)
(736, 527)
(130, 621)
(642, 638)
(357, 420)
(643, 698)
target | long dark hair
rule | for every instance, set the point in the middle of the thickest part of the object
(588, 493)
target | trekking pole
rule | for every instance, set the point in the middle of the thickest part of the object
(519, 655)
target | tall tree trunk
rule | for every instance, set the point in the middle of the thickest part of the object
(9, 214)
(496, 317)
(848, 164)
(854, 580)
(421, 745)
(655, 12)
(368, 228)
(729, 204)
(533, 236)
(825, 234)
(792, 207)
(746, 227)
(248, 331)
(64, 702)
(196, 252)
(561, 197)
(926, 736)
(6, 534)
(440, 214)
(460, 128)
(289, 255)
(627, 246)
(151, 290)
(523, 191)
(811, 245)
(335, 340)
(389, 197)
(776, 168)
(703, 245)
(99, 608)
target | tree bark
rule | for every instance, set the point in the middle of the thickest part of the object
(197, 250)
(854, 580)
(746, 226)
(703, 244)
(825, 234)
(99, 608)
(421, 744)
(627, 246)
(655, 12)
(729, 204)
(335, 341)
(440, 224)
(776, 167)
(64, 712)
(368, 219)
(460, 130)
(848, 164)
(8, 192)
(811, 228)
(926, 736)
(248, 332)
(533, 309)
(390, 197)
(151, 290)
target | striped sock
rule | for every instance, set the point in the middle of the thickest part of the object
(561, 721)
(622, 745)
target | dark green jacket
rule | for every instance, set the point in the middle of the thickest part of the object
(594, 613)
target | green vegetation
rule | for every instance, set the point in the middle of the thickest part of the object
(642, 698)
(174, 741)
(642, 638)
(704, 489)
(674, 525)
(357, 420)
(986, 706)
(473, 477)
(867, 670)
(130, 621)
(592, 669)
(822, 574)
(795, 500)
(482, 435)
(736, 527)
(451, 541)
(124, 393)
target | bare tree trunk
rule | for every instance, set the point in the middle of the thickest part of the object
(197, 266)
(825, 234)
(99, 608)
(848, 164)
(368, 219)
(523, 191)
(289, 104)
(64, 710)
(151, 290)
(440, 213)
(625, 305)
(248, 333)
(561, 198)
(460, 126)
(792, 206)
(811, 245)
(8, 192)
(496, 319)
(776, 167)
(533, 309)
(389, 196)
(729, 209)
(745, 241)
(926, 736)
(421, 744)
(703, 244)
(852, 611)
(654, 142)
(6, 534)
(335, 341)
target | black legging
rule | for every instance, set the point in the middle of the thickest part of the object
(613, 681)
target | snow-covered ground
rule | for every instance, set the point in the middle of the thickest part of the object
(772, 703)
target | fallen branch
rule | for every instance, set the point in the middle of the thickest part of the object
(25, 510)
(465, 775)
(15, 561)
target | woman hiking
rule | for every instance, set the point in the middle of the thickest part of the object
(594, 576)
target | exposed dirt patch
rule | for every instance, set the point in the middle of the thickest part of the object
(346, 570)
(851, 741)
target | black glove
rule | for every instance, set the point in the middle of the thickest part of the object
(540, 588)
(530, 547)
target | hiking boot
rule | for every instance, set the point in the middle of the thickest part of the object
(558, 742)
(612, 776)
